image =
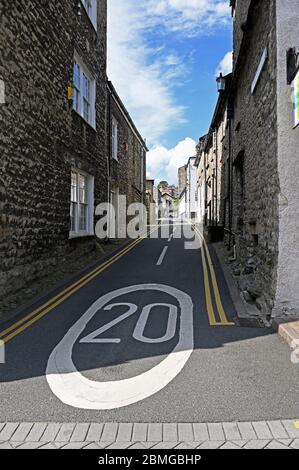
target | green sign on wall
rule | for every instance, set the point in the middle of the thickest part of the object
(296, 99)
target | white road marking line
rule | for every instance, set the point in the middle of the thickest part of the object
(75, 390)
(172, 235)
(161, 259)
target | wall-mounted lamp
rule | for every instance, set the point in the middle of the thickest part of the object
(292, 64)
(220, 83)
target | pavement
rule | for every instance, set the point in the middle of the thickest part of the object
(246, 435)
(151, 336)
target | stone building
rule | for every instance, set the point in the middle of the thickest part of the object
(127, 161)
(257, 137)
(53, 167)
(182, 178)
(265, 155)
(212, 162)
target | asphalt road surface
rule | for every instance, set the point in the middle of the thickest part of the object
(147, 339)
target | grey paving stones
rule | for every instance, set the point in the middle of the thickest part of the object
(95, 432)
(37, 432)
(74, 445)
(276, 445)
(185, 432)
(247, 431)
(21, 432)
(262, 430)
(170, 432)
(80, 432)
(277, 430)
(290, 428)
(230, 445)
(231, 431)
(50, 432)
(295, 444)
(188, 445)
(246, 435)
(8, 430)
(256, 444)
(120, 445)
(139, 432)
(211, 445)
(65, 432)
(30, 445)
(165, 445)
(5, 445)
(125, 431)
(109, 432)
(155, 432)
(216, 432)
(201, 432)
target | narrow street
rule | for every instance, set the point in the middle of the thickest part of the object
(118, 346)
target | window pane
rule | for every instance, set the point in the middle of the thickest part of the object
(73, 216)
(83, 217)
(82, 189)
(76, 100)
(77, 76)
(86, 87)
(86, 110)
(74, 187)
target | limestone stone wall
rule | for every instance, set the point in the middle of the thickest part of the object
(41, 137)
(255, 171)
(287, 293)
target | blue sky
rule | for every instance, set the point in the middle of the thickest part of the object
(163, 56)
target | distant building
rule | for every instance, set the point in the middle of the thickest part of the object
(150, 202)
(188, 185)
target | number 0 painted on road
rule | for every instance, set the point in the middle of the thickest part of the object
(143, 319)
(75, 390)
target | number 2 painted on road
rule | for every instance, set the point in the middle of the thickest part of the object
(140, 326)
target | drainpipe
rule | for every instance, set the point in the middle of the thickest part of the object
(109, 158)
(230, 194)
(216, 182)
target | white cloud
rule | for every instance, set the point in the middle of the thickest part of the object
(163, 163)
(226, 64)
(142, 76)
(145, 77)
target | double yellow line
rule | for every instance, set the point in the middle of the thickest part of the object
(18, 327)
(209, 268)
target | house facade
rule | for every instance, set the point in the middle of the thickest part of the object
(59, 159)
(188, 194)
(258, 146)
(53, 166)
(126, 151)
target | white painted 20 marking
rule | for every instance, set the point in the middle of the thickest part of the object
(75, 390)
(138, 333)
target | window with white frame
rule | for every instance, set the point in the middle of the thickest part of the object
(82, 202)
(114, 139)
(91, 9)
(84, 92)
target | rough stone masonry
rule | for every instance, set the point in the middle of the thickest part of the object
(42, 138)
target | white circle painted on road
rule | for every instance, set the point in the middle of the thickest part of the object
(75, 390)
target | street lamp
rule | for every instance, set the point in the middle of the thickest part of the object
(220, 83)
